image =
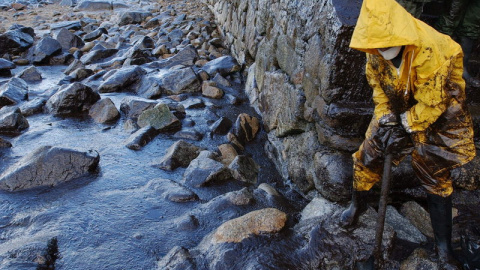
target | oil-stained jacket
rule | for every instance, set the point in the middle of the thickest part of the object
(427, 90)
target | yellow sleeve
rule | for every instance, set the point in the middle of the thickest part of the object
(381, 101)
(432, 97)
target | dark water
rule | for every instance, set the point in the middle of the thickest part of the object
(109, 220)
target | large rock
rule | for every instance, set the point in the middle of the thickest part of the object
(224, 65)
(244, 169)
(95, 34)
(171, 190)
(404, 229)
(104, 111)
(72, 100)
(132, 107)
(48, 166)
(68, 40)
(246, 128)
(98, 54)
(122, 80)
(133, 17)
(265, 221)
(33, 106)
(5, 67)
(30, 74)
(418, 216)
(204, 170)
(159, 117)
(172, 82)
(12, 121)
(333, 175)
(17, 40)
(141, 138)
(13, 92)
(67, 25)
(45, 49)
(185, 57)
(180, 154)
(94, 5)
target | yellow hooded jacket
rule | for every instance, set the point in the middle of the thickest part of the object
(427, 90)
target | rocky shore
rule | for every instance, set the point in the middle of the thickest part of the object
(126, 134)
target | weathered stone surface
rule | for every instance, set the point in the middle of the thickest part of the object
(246, 128)
(73, 99)
(12, 121)
(132, 107)
(277, 95)
(244, 169)
(159, 117)
(141, 138)
(104, 111)
(171, 190)
(204, 170)
(185, 57)
(269, 220)
(95, 34)
(180, 154)
(133, 17)
(16, 41)
(188, 134)
(5, 67)
(419, 259)
(333, 175)
(13, 92)
(404, 229)
(80, 73)
(224, 65)
(178, 258)
(48, 166)
(4, 143)
(228, 153)
(210, 89)
(33, 106)
(465, 177)
(172, 82)
(97, 55)
(68, 25)
(68, 40)
(31, 74)
(221, 126)
(94, 5)
(45, 49)
(418, 216)
(122, 79)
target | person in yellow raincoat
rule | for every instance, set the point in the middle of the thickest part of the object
(418, 91)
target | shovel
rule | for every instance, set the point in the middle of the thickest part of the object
(375, 261)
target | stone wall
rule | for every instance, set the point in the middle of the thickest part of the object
(306, 83)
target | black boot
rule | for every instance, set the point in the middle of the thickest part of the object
(467, 47)
(440, 209)
(357, 206)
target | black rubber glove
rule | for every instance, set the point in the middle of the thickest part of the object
(393, 139)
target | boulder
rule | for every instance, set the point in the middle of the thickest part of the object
(204, 170)
(33, 106)
(94, 5)
(178, 258)
(68, 25)
(210, 89)
(44, 50)
(95, 34)
(104, 111)
(180, 154)
(404, 229)
(228, 153)
(137, 55)
(171, 190)
(17, 40)
(5, 67)
(80, 73)
(193, 103)
(98, 54)
(188, 134)
(132, 107)
(122, 79)
(13, 92)
(264, 221)
(4, 143)
(333, 175)
(185, 57)
(12, 121)
(159, 117)
(245, 128)
(172, 82)
(221, 126)
(48, 166)
(141, 138)
(133, 17)
(72, 100)
(30, 74)
(68, 40)
(244, 169)
(418, 216)
(224, 65)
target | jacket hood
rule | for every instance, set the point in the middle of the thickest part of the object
(381, 24)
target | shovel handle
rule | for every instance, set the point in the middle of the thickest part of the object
(382, 208)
